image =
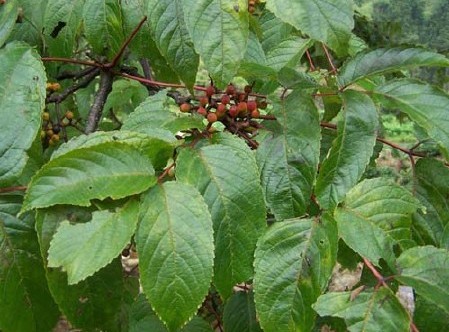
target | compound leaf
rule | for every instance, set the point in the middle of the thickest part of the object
(175, 245)
(110, 169)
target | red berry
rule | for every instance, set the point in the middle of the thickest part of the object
(230, 90)
(242, 97)
(210, 90)
(185, 107)
(248, 88)
(203, 101)
(252, 105)
(202, 111)
(255, 114)
(225, 99)
(233, 111)
(242, 108)
(212, 117)
(221, 108)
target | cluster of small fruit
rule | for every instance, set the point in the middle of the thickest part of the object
(236, 110)
(50, 130)
(252, 6)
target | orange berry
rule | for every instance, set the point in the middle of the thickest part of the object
(69, 115)
(185, 107)
(203, 101)
(212, 117)
(255, 114)
(201, 110)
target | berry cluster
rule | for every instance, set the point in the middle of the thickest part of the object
(236, 110)
(50, 130)
(252, 6)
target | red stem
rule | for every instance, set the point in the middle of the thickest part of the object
(11, 189)
(125, 44)
(312, 66)
(376, 274)
(329, 58)
(74, 61)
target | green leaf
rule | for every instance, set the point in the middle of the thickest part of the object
(26, 303)
(103, 26)
(240, 313)
(384, 60)
(97, 303)
(329, 21)
(143, 318)
(111, 169)
(175, 246)
(32, 22)
(286, 52)
(125, 96)
(228, 179)
(425, 269)
(8, 16)
(428, 317)
(22, 98)
(158, 146)
(288, 162)
(351, 150)
(156, 113)
(219, 32)
(293, 263)
(170, 33)
(375, 215)
(426, 105)
(294, 79)
(368, 311)
(72, 245)
(62, 21)
(432, 189)
(273, 30)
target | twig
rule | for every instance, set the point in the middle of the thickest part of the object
(146, 68)
(74, 61)
(89, 77)
(165, 172)
(94, 117)
(329, 58)
(312, 66)
(395, 146)
(116, 58)
(11, 189)
(74, 75)
(376, 274)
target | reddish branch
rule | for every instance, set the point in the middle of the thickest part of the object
(329, 59)
(381, 281)
(312, 66)
(11, 189)
(117, 57)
